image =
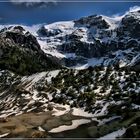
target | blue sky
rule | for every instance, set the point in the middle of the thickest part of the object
(13, 13)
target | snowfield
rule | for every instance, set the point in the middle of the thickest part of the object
(75, 124)
(113, 135)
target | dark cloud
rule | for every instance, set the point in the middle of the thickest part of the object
(30, 3)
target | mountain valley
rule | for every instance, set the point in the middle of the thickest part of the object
(71, 79)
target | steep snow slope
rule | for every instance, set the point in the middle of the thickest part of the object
(70, 40)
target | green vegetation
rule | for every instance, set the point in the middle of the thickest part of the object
(24, 61)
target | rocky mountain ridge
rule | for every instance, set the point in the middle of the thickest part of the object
(106, 40)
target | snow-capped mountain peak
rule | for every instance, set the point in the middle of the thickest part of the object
(97, 35)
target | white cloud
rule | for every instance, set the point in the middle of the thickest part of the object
(32, 2)
(134, 9)
(131, 9)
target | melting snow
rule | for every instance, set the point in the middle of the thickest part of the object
(31, 80)
(52, 74)
(80, 112)
(75, 124)
(91, 62)
(113, 135)
(41, 129)
(3, 135)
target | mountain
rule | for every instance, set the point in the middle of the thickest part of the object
(104, 39)
(71, 79)
(21, 53)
